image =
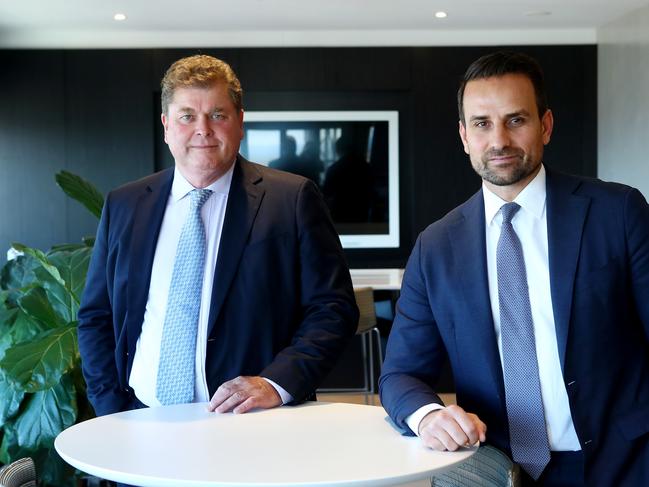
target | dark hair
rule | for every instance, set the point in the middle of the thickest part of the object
(200, 71)
(499, 64)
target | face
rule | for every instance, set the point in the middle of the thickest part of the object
(504, 136)
(203, 130)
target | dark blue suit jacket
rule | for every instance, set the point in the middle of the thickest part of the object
(598, 240)
(282, 303)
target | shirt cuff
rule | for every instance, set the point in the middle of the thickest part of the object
(285, 396)
(415, 418)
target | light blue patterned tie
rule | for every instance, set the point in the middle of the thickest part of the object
(527, 434)
(175, 382)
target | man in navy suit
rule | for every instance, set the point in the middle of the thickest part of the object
(585, 245)
(275, 303)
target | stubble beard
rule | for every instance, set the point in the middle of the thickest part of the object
(515, 172)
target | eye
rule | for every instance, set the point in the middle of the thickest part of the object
(218, 116)
(186, 117)
(480, 124)
(516, 121)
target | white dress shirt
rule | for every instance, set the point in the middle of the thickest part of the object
(144, 372)
(530, 224)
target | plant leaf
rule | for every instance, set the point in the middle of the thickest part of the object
(46, 414)
(16, 327)
(82, 191)
(73, 267)
(10, 399)
(40, 363)
(53, 471)
(37, 305)
(16, 275)
(40, 256)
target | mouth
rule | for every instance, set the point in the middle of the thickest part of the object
(203, 147)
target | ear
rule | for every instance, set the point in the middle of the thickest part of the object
(241, 123)
(547, 123)
(165, 124)
(462, 130)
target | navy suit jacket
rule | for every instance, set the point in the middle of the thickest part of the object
(282, 302)
(598, 241)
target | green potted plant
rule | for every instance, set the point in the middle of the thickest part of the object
(42, 390)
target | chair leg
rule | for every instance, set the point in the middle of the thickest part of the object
(366, 373)
(371, 360)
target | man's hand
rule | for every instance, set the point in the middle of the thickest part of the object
(451, 428)
(242, 394)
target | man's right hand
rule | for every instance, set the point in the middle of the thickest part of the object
(451, 428)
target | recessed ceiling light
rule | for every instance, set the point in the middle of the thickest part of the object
(440, 15)
(119, 17)
(538, 13)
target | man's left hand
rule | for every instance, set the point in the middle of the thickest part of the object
(242, 394)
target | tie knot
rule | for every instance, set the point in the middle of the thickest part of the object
(199, 197)
(509, 210)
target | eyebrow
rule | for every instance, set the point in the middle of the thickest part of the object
(517, 113)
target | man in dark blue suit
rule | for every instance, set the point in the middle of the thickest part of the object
(268, 304)
(583, 248)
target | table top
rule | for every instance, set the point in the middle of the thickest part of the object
(314, 444)
(377, 279)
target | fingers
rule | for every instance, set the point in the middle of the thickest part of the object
(242, 394)
(451, 428)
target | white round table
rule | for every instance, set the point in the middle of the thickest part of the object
(315, 444)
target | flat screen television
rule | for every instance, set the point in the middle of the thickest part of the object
(353, 156)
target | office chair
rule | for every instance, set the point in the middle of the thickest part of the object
(488, 467)
(367, 330)
(21, 473)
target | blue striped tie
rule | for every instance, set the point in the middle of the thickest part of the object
(527, 432)
(175, 383)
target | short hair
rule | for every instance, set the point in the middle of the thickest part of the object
(199, 71)
(499, 64)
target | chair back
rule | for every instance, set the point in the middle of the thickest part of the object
(367, 313)
(21, 473)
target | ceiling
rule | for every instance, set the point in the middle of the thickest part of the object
(167, 23)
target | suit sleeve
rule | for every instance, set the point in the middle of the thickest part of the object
(415, 352)
(95, 330)
(636, 219)
(329, 311)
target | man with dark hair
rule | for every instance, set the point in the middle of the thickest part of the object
(537, 290)
(218, 280)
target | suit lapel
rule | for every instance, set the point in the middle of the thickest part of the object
(566, 214)
(468, 242)
(147, 220)
(244, 199)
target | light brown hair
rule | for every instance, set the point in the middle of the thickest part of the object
(199, 71)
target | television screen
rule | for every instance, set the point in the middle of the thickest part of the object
(351, 155)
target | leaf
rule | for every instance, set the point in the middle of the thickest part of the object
(16, 275)
(10, 399)
(46, 414)
(88, 240)
(37, 305)
(41, 258)
(16, 327)
(73, 267)
(40, 364)
(53, 470)
(82, 191)
(10, 450)
(71, 247)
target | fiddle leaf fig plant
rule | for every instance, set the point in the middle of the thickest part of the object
(42, 391)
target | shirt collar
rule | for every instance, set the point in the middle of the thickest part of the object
(181, 187)
(531, 199)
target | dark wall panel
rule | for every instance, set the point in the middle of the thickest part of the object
(94, 112)
(32, 148)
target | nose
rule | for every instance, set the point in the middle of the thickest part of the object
(203, 127)
(500, 137)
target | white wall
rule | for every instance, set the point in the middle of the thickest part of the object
(623, 100)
